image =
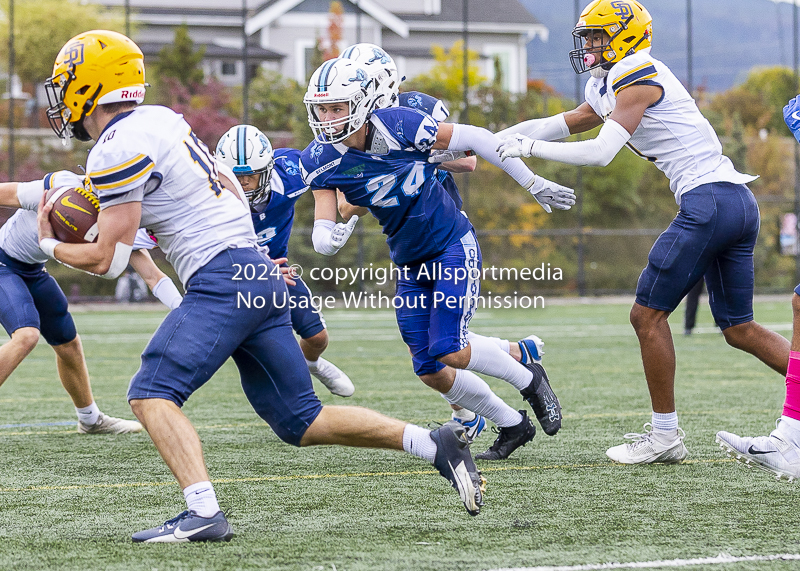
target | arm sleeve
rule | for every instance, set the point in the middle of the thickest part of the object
(485, 143)
(546, 129)
(594, 152)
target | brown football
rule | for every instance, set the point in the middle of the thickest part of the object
(74, 214)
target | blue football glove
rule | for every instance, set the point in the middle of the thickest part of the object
(791, 114)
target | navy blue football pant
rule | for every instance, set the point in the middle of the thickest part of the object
(712, 236)
(30, 297)
(223, 317)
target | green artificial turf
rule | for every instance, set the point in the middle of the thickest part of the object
(70, 501)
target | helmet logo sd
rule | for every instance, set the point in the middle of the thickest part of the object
(74, 55)
(623, 9)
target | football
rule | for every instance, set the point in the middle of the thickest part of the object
(74, 214)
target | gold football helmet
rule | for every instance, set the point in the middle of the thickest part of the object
(93, 68)
(627, 25)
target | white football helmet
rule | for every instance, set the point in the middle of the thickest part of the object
(340, 81)
(246, 150)
(380, 66)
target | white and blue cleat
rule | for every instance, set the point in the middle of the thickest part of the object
(188, 526)
(472, 428)
(532, 348)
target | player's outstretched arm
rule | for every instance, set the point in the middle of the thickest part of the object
(632, 102)
(579, 120)
(108, 257)
(458, 137)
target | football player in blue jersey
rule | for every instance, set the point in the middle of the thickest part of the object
(33, 304)
(432, 243)
(641, 104)
(150, 170)
(381, 68)
(272, 184)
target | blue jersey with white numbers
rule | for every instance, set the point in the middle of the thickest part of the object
(273, 218)
(395, 181)
(439, 111)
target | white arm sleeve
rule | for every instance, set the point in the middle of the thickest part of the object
(29, 194)
(167, 293)
(546, 129)
(321, 237)
(485, 143)
(594, 152)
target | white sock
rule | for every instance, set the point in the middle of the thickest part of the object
(88, 415)
(502, 343)
(665, 424)
(471, 392)
(486, 357)
(312, 365)
(201, 499)
(418, 442)
(464, 414)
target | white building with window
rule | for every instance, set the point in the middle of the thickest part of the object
(281, 34)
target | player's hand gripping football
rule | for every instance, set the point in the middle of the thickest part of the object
(791, 114)
(515, 146)
(549, 194)
(43, 219)
(341, 232)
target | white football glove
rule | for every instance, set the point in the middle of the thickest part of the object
(341, 232)
(444, 156)
(548, 193)
(515, 146)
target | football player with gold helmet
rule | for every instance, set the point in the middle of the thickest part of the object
(641, 104)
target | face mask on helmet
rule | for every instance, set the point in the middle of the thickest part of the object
(617, 29)
(93, 68)
(339, 84)
(247, 151)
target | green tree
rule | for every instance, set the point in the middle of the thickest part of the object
(180, 60)
(42, 27)
(759, 100)
(445, 79)
(277, 105)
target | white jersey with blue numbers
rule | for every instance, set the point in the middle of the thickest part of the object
(151, 155)
(19, 236)
(273, 217)
(673, 133)
(394, 180)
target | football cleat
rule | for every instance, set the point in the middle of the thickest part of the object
(455, 463)
(472, 428)
(774, 454)
(647, 449)
(333, 378)
(542, 399)
(532, 348)
(509, 439)
(188, 526)
(110, 425)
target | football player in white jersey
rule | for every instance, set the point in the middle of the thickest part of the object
(149, 169)
(641, 104)
(34, 304)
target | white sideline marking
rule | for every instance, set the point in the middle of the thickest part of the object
(720, 559)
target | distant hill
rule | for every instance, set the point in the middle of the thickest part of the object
(729, 38)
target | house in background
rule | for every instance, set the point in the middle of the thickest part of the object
(281, 34)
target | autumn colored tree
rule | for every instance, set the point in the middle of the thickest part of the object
(335, 30)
